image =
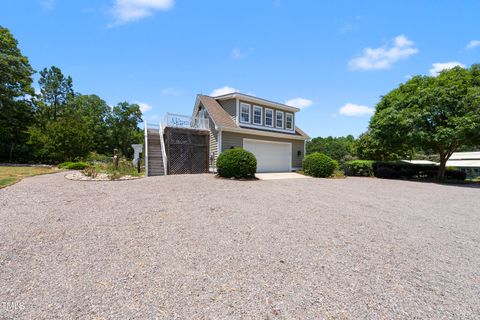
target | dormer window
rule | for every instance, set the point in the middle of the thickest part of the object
(269, 117)
(257, 115)
(245, 113)
(279, 119)
(289, 121)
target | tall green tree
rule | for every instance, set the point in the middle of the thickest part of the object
(66, 139)
(94, 113)
(368, 147)
(431, 113)
(338, 148)
(123, 123)
(15, 94)
(56, 90)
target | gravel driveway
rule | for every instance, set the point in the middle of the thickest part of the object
(197, 247)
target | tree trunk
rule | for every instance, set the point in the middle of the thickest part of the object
(11, 152)
(442, 167)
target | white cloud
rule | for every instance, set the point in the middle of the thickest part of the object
(355, 110)
(384, 57)
(299, 103)
(171, 92)
(440, 66)
(144, 107)
(239, 53)
(221, 91)
(472, 44)
(125, 11)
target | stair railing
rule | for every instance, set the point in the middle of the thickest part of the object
(164, 153)
(146, 147)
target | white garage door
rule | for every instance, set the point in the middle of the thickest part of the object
(271, 156)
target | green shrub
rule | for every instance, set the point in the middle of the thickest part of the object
(94, 157)
(73, 165)
(359, 168)
(237, 163)
(319, 165)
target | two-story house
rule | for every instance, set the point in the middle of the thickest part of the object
(265, 128)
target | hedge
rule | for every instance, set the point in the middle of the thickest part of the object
(398, 170)
(359, 168)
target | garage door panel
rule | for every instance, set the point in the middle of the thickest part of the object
(271, 156)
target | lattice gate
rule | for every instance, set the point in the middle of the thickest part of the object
(187, 150)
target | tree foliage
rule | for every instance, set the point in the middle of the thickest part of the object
(437, 114)
(338, 148)
(56, 90)
(56, 125)
(123, 122)
(15, 92)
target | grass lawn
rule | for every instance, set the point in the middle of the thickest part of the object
(11, 175)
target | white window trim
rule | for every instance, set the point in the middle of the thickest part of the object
(283, 119)
(293, 124)
(261, 115)
(273, 114)
(249, 112)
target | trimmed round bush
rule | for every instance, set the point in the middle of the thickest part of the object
(237, 163)
(319, 165)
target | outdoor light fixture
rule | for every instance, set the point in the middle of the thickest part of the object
(299, 153)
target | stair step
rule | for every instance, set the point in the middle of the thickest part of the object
(154, 153)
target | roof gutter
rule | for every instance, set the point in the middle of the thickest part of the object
(264, 133)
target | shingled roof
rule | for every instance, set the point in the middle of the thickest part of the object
(219, 116)
(223, 120)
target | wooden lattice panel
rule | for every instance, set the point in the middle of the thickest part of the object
(187, 150)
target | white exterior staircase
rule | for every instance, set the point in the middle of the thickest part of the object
(155, 153)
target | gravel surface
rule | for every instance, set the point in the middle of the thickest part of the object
(198, 247)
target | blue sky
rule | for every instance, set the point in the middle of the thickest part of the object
(334, 59)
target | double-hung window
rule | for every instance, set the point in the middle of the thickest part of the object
(269, 117)
(245, 112)
(289, 121)
(279, 119)
(257, 115)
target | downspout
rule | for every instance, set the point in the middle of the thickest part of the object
(219, 145)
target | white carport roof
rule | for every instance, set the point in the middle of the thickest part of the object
(465, 156)
(420, 162)
(463, 163)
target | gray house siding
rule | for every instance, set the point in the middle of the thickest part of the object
(230, 106)
(263, 116)
(234, 139)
